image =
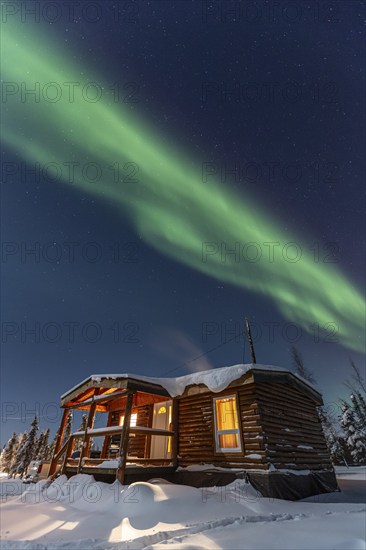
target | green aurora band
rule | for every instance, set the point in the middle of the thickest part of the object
(169, 205)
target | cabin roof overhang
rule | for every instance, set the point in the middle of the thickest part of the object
(107, 386)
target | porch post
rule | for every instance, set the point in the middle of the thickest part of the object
(123, 448)
(147, 449)
(89, 424)
(106, 438)
(175, 427)
(68, 454)
(60, 435)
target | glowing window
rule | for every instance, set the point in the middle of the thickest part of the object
(133, 420)
(169, 448)
(227, 433)
(162, 410)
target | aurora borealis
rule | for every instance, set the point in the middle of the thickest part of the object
(168, 205)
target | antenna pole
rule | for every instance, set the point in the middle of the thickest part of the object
(250, 341)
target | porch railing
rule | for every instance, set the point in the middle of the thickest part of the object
(66, 450)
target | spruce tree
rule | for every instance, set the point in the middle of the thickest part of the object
(17, 456)
(358, 404)
(354, 438)
(362, 404)
(40, 446)
(37, 446)
(9, 453)
(2, 459)
(44, 447)
(332, 439)
(68, 428)
(52, 445)
(78, 443)
(26, 449)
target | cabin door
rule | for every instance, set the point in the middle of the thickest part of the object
(162, 417)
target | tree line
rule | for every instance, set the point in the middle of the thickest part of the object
(22, 449)
(345, 428)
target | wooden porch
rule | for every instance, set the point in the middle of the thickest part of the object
(118, 402)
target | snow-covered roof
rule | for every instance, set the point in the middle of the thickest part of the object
(216, 380)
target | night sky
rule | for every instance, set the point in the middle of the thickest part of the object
(273, 88)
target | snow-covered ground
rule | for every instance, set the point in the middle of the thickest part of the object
(83, 514)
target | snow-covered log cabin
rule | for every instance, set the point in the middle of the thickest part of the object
(203, 429)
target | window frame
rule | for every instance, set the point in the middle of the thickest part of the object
(217, 432)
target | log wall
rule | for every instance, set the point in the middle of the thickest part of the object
(293, 435)
(196, 441)
(279, 424)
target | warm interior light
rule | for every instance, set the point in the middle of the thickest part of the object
(133, 420)
(227, 425)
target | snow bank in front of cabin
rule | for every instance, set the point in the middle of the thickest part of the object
(81, 513)
(215, 379)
